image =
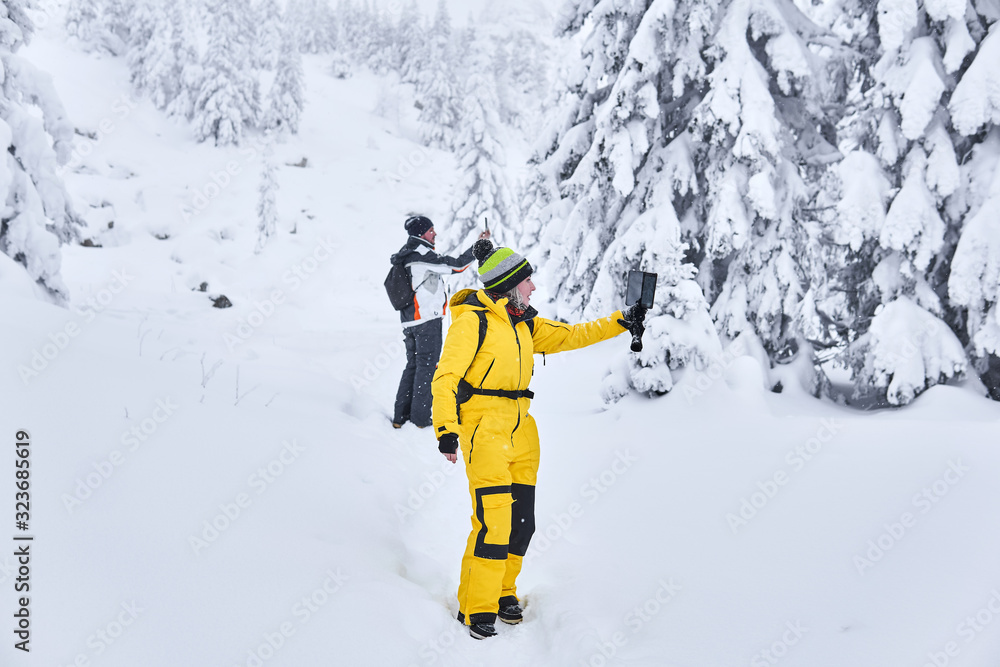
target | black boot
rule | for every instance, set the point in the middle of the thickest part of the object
(482, 630)
(510, 610)
(482, 626)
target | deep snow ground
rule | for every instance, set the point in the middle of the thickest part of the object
(262, 512)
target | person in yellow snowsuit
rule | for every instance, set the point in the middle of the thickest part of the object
(481, 400)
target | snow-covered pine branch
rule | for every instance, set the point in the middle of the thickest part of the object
(974, 283)
(905, 351)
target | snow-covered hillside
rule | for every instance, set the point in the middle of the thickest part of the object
(222, 486)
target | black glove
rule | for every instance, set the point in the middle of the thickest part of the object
(448, 443)
(632, 319)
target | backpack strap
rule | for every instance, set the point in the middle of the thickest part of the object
(463, 394)
(482, 331)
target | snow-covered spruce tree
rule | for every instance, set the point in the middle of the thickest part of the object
(352, 19)
(974, 281)
(342, 29)
(326, 27)
(116, 15)
(766, 118)
(151, 53)
(286, 99)
(37, 138)
(382, 41)
(703, 117)
(100, 24)
(188, 72)
(561, 181)
(437, 89)
(267, 208)
(483, 192)
(895, 204)
(83, 20)
(229, 97)
(334, 33)
(310, 21)
(295, 17)
(521, 69)
(508, 110)
(411, 44)
(269, 31)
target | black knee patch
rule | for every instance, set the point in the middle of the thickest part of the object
(483, 550)
(522, 519)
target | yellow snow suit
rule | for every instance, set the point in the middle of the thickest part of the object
(487, 349)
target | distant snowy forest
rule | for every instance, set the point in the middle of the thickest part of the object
(816, 181)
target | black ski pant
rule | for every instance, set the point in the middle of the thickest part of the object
(423, 349)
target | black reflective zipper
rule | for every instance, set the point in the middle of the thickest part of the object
(517, 401)
(487, 373)
(472, 441)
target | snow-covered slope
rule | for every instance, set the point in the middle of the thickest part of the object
(222, 487)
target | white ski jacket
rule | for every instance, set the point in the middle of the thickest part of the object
(427, 267)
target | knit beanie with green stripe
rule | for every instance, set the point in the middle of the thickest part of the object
(500, 269)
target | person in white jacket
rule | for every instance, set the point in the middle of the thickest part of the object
(422, 321)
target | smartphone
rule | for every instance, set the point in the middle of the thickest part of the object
(641, 289)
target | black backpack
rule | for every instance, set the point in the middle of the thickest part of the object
(399, 286)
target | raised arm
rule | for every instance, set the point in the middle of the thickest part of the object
(549, 336)
(443, 264)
